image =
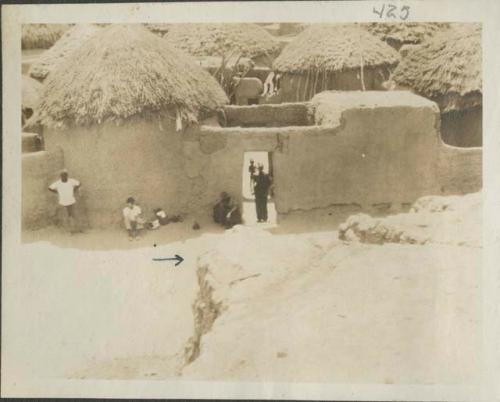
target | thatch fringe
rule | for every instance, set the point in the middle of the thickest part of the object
(246, 40)
(446, 69)
(334, 47)
(68, 43)
(41, 36)
(124, 71)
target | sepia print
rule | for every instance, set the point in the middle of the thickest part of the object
(250, 202)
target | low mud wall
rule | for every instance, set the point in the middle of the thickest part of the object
(371, 148)
(39, 170)
(280, 115)
(460, 170)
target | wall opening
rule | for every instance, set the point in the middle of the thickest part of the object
(248, 189)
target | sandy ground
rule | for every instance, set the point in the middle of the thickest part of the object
(357, 313)
(298, 305)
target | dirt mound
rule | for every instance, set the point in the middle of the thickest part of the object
(432, 219)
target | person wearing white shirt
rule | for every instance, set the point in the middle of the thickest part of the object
(65, 188)
(131, 216)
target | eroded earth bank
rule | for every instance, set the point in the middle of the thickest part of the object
(383, 300)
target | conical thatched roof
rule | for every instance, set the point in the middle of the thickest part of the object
(41, 36)
(30, 92)
(446, 69)
(122, 71)
(68, 43)
(334, 47)
(248, 40)
(398, 34)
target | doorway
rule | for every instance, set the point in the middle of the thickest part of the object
(249, 206)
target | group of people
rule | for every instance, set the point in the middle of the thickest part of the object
(66, 188)
(260, 185)
(225, 212)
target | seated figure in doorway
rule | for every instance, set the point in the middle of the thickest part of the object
(226, 213)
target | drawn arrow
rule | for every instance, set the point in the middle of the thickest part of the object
(177, 258)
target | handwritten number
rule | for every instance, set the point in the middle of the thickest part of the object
(406, 10)
(390, 12)
(404, 13)
(381, 12)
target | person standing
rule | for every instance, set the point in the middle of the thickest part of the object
(261, 188)
(65, 188)
(251, 169)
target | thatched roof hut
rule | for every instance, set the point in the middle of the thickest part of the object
(41, 36)
(122, 71)
(446, 69)
(397, 34)
(68, 43)
(247, 40)
(335, 56)
(334, 48)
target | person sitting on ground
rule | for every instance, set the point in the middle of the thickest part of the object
(226, 213)
(132, 219)
(65, 188)
(162, 216)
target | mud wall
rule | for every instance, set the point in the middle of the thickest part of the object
(285, 114)
(142, 159)
(373, 148)
(214, 159)
(367, 148)
(376, 155)
(39, 170)
(460, 169)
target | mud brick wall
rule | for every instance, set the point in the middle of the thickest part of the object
(280, 115)
(142, 159)
(365, 148)
(460, 169)
(39, 170)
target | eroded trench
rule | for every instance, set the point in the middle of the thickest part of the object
(205, 311)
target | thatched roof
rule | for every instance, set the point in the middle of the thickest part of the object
(68, 43)
(334, 47)
(30, 92)
(248, 40)
(123, 71)
(398, 34)
(41, 36)
(446, 69)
